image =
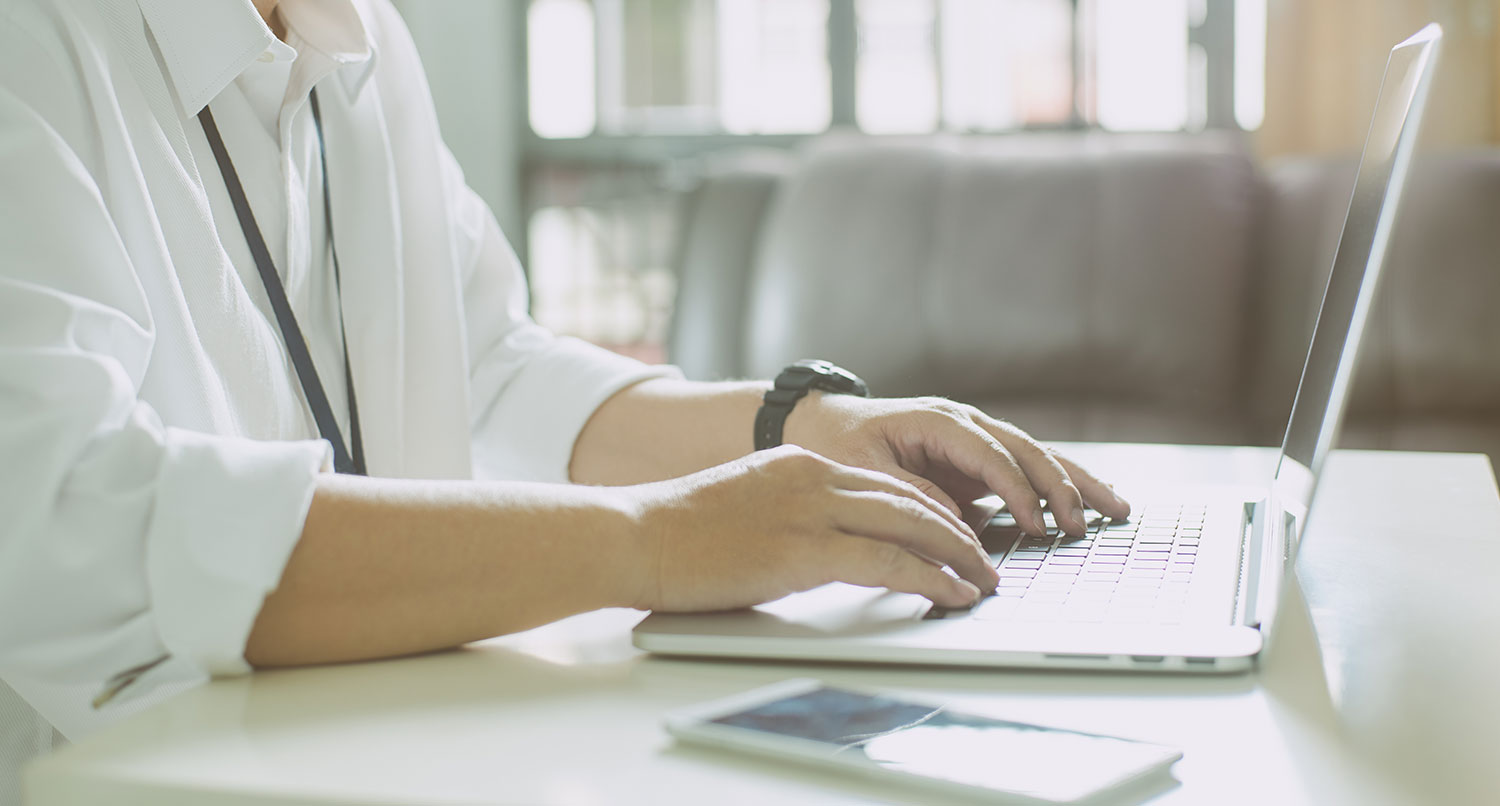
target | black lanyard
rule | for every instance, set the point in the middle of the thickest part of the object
(296, 345)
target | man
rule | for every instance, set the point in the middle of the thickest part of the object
(170, 510)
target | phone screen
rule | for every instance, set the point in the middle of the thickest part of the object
(932, 742)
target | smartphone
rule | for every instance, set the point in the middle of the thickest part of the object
(926, 745)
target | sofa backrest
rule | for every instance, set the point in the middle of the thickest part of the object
(1116, 265)
(1429, 373)
(1095, 286)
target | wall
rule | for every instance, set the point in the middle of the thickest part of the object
(471, 50)
(1325, 57)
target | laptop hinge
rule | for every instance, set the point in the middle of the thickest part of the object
(1252, 544)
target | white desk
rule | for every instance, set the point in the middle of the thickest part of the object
(1402, 704)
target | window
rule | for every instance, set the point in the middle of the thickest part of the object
(623, 95)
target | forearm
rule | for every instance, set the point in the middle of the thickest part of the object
(666, 428)
(390, 567)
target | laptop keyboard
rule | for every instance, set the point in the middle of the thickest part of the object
(1121, 572)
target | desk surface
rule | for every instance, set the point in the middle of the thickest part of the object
(1382, 689)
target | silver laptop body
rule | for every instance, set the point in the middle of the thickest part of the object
(1193, 580)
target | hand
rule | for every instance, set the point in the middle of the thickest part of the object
(952, 452)
(787, 520)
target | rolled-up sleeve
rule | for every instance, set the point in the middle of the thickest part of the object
(123, 541)
(532, 391)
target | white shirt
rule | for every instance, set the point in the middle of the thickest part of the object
(156, 457)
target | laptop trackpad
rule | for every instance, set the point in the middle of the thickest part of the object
(833, 610)
(840, 609)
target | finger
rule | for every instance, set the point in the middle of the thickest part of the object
(858, 478)
(1047, 475)
(903, 522)
(876, 564)
(1099, 494)
(931, 489)
(973, 451)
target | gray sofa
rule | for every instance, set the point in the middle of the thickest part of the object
(1095, 287)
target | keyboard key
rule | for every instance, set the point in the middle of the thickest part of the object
(1105, 559)
(1066, 560)
(1144, 574)
(1013, 582)
(1062, 570)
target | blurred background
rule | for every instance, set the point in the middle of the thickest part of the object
(651, 159)
(580, 121)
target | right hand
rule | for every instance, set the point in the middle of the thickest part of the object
(786, 520)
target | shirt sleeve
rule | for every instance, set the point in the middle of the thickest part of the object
(125, 543)
(532, 392)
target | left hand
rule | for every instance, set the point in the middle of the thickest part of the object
(952, 452)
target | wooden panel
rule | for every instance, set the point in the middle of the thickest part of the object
(1325, 57)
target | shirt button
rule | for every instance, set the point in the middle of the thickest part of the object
(267, 56)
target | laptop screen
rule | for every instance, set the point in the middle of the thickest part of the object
(1326, 377)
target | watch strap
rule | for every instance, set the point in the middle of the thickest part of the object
(793, 384)
(770, 421)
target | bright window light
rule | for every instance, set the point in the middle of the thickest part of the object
(773, 66)
(1005, 64)
(1142, 64)
(1250, 63)
(560, 67)
(896, 81)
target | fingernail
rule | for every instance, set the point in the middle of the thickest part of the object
(1079, 519)
(1040, 520)
(969, 591)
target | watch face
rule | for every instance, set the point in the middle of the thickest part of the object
(823, 375)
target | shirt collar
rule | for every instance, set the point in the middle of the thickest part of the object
(206, 44)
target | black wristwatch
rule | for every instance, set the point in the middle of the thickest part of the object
(792, 385)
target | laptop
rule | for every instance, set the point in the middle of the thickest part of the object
(1192, 581)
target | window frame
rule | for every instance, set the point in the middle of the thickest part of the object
(1211, 26)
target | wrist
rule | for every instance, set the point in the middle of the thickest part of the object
(628, 547)
(792, 387)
